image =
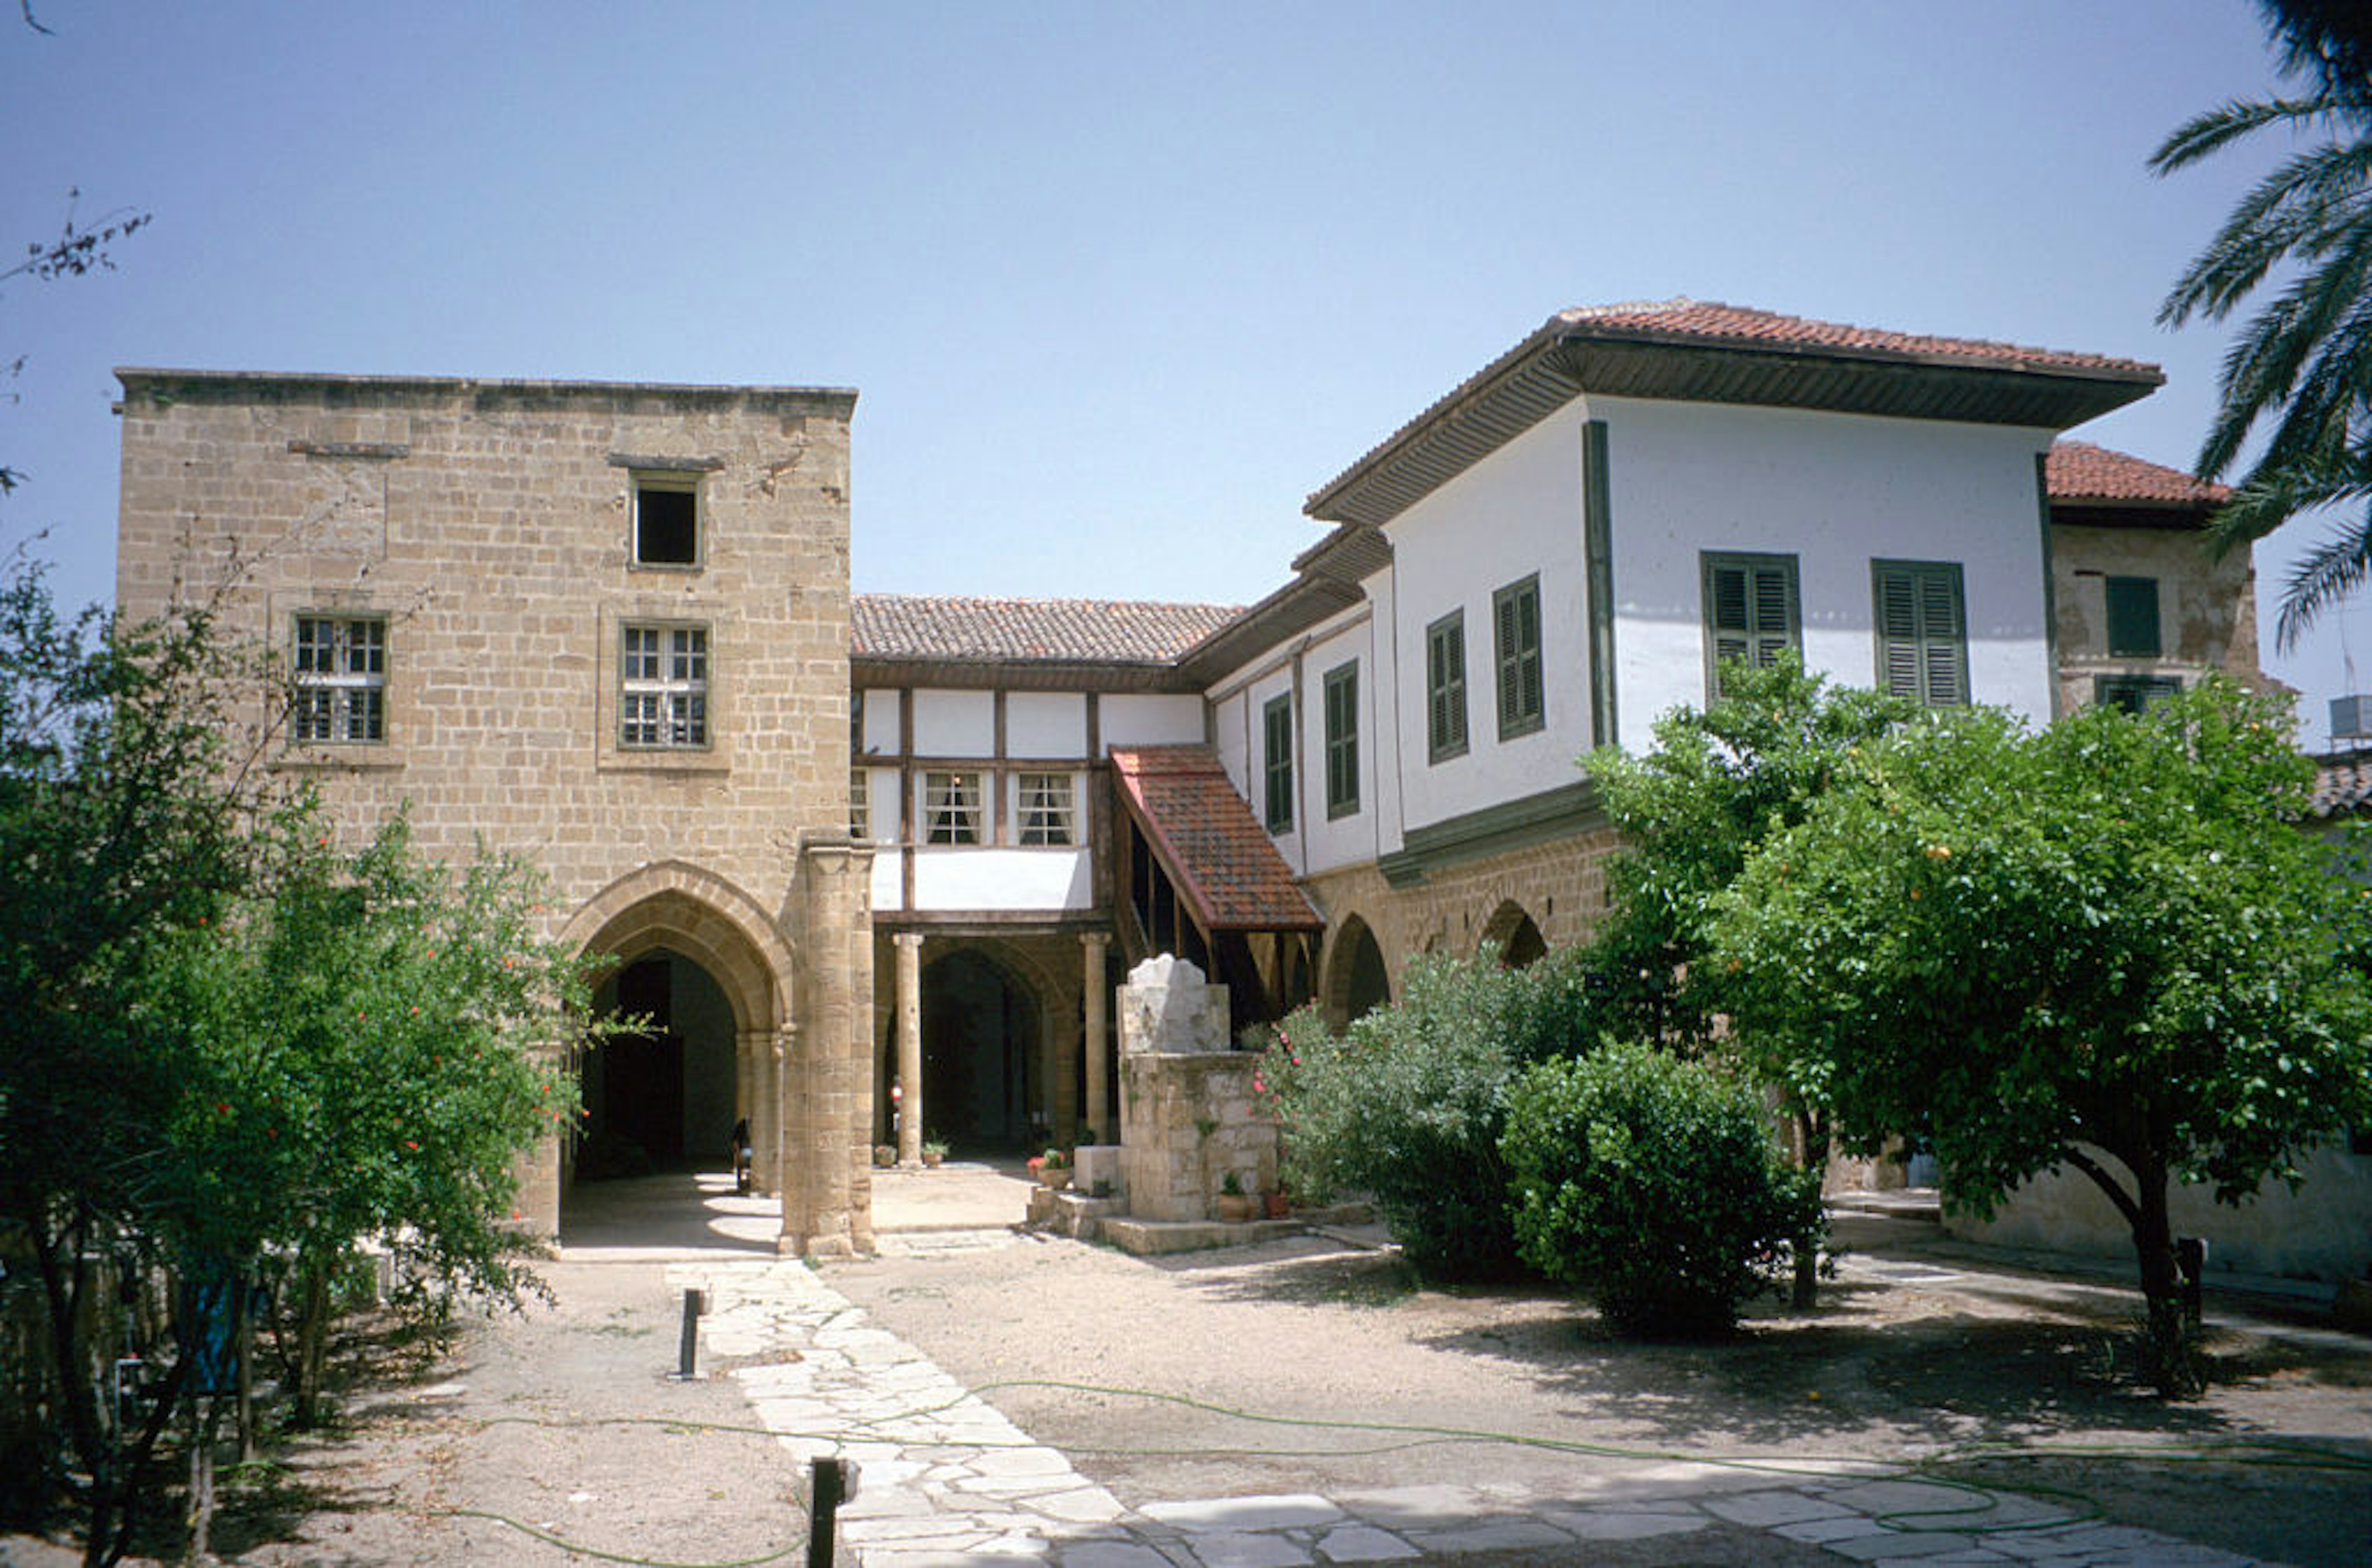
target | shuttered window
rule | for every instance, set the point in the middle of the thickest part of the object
(1752, 612)
(1445, 687)
(2133, 618)
(1516, 635)
(1922, 637)
(1342, 740)
(1276, 757)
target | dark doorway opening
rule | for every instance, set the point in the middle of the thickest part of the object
(662, 1098)
(981, 1029)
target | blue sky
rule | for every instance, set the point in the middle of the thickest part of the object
(1119, 284)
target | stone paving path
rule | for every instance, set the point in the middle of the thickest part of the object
(946, 1480)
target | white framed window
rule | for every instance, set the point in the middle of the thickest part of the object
(340, 679)
(662, 686)
(860, 806)
(951, 809)
(667, 519)
(1049, 809)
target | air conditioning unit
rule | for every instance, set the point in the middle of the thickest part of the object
(2351, 718)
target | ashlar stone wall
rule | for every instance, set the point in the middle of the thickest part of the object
(490, 527)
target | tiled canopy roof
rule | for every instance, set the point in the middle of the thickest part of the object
(2079, 472)
(1224, 865)
(1081, 630)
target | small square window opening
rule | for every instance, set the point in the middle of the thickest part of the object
(667, 520)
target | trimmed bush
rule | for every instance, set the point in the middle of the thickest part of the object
(1407, 1106)
(1652, 1184)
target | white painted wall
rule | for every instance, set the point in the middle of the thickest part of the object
(1517, 512)
(1161, 720)
(889, 882)
(953, 724)
(882, 805)
(881, 720)
(1835, 491)
(1046, 724)
(966, 878)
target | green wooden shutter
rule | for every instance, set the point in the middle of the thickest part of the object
(1343, 741)
(1922, 644)
(1445, 686)
(2133, 618)
(1276, 725)
(1516, 626)
(1750, 610)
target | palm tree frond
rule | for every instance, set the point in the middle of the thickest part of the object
(2209, 132)
(2333, 570)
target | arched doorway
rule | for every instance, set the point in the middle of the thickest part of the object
(1515, 937)
(663, 1098)
(1357, 983)
(982, 1034)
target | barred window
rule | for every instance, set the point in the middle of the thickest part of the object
(951, 813)
(663, 687)
(341, 679)
(1049, 813)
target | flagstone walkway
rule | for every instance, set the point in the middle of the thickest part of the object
(945, 1480)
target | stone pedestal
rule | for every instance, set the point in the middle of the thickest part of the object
(1188, 1114)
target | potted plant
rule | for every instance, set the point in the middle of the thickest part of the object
(935, 1152)
(1236, 1205)
(1052, 1169)
(885, 1155)
(1276, 1203)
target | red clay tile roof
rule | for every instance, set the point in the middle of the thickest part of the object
(1066, 631)
(1697, 350)
(1709, 321)
(2342, 785)
(1223, 862)
(2078, 472)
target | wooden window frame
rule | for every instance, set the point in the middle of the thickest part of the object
(337, 679)
(1041, 819)
(954, 808)
(663, 686)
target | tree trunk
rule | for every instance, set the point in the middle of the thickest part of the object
(312, 1338)
(242, 1337)
(2171, 1354)
(1812, 1155)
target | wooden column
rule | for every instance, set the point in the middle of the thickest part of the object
(1091, 1041)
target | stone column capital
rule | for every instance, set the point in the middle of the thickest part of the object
(912, 941)
(1092, 939)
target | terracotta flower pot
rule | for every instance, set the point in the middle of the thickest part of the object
(1056, 1177)
(1278, 1204)
(1235, 1208)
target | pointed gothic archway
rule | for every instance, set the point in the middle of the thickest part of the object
(701, 959)
(1515, 935)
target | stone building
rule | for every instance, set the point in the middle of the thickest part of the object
(604, 625)
(877, 865)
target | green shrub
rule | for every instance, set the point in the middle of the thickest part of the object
(1407, 1106)
(1653, 1183)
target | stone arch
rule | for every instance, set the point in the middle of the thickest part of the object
(1515, 934)
(672, 904)
(1358, 979)
(671, 907)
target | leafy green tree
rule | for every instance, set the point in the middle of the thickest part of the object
(369, 1046)
(2303, 363)
(2108, 945)
(123, 796)
(1716, 784)
(1652, 1183)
